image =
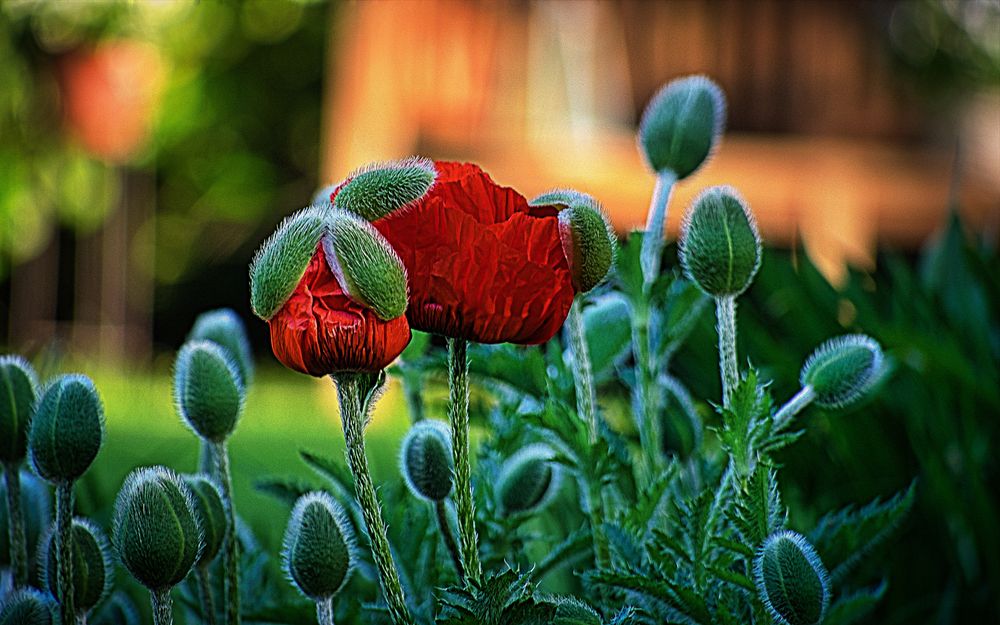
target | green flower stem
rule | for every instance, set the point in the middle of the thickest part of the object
(449, 539)
(725, 312)
(652, 242)
(18, 543)
(586, 399)
(458, 415)
(412, 391)
(230, 547)
(206, 459)
(163, 607)
(64, 550)
(205, 593)
(649, 427)
(324, 611)
(353, 418)
(795, 405)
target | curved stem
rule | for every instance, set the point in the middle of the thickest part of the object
(725, 311)
(645, 402)
(349, 395)
(18, 543)
(205, 593)
(458, 416)
(64, 550)
(449, 539)
(652, 241)
(163, 607)
(324, 611)
(795, 405)
(230, 547)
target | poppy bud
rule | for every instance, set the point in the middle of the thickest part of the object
(318, 553)
(528, 480)
(587, 238)
(17, 383)
(67, 430)
(224, 326)
(720, 246)
(791, 580)
(210, 513)
(682, 125)
(426, 460)
(365, 265)
(154, 530)
(119, 610)
(842, 370)
(208, 390)
(92, 570)
(36, 504)
(27, 607)
(279, 264)
(383, 188)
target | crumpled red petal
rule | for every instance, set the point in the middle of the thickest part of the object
(320, 330)
(482, 264)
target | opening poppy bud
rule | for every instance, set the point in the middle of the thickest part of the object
(383, 188)
(210, 514)
(720, 246)
(279, 263)
(67, 429)
(528, 480)
(119, 610)
(426, 460)
(842, 370)
(318, 553)
(18, 384)
(791, 580)
(589, 244)
(36, 504)
(365, 265)
(682, 125)
(154, 530)
(92, 570)
(27, 607)
(224, 326)
(208, 390)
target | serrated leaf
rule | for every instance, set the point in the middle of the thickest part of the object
(576, 545)
(284, 490)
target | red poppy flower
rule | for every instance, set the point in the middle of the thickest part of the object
(482, 264)
(321, 330)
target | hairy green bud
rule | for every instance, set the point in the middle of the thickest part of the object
(224, 326)
(208, 390)
(365, 265)
(36, 506)
(720, 246)
(118, 610)
(528, 480)
(282, 260)
(843, 369)
(426, 460)
(18, 384)
(154, 530)
(588, 241)
(67, 429)
(318, 551)
(791, 580)
(92, 568)
(682, 125)
(28, 607)
(210, 513)
(379, 189)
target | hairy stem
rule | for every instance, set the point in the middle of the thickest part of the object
(795, 405)
(652, 242)
(645, 402)
(230, 547)
(206, 459)
(15, 529)
(64, 550)
(163, 607)
(725, 311)
(458, 416)
(414, 396)
(449, 539)
(324, 611)
(205, 594)
(352, 416)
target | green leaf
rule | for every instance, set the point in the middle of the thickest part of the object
(609, 336)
